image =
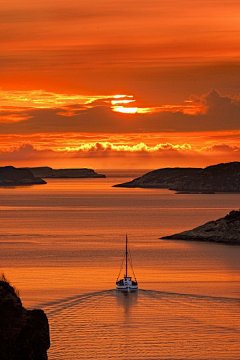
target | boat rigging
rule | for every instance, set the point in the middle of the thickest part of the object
(126, 283)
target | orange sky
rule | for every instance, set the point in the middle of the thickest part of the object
(175, 65)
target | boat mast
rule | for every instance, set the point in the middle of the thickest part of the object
(126, 253)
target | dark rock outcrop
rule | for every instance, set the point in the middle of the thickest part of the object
(11, 176)
(48, 172)
(225, 230)
(216, 178)
(24, 334)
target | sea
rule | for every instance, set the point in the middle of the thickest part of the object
(62, 246)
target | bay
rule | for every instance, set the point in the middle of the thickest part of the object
(62, 245)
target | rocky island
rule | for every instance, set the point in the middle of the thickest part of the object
(215, 178)
(24, 334)
(224, 230)
(48, 172)
(11, 176)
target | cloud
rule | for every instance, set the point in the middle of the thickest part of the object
(223, 148)
(47, 100)
(25, 152)
(49, 112)
(87, 149)
(13, 118)
(141, 149)
(147, 49)
(107, 149)
(214, 102)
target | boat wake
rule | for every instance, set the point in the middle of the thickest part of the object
(95, 325)
(56, 306)
(159, 294)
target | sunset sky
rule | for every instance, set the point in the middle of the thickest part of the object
(130, 84)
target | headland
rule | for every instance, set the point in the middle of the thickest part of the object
(224, 230)
(212, 179)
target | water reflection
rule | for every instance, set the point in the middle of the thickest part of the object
(126, 300)
(143, 325)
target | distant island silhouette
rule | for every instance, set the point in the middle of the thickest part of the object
(11, 176)
(215, 178)
(24, 334)
(224, 230)
(48, 172)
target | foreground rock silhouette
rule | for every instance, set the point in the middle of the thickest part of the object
(24, 334)
(225, 230)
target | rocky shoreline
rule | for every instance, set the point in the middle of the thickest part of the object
(212, 179)
(24, 334)
(224, 231)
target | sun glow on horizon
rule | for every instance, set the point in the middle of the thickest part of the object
(16, 104)
(118, 104)
(122, 96)
(125, 110)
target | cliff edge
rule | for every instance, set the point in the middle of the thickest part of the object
(224, 230)
(24, 334)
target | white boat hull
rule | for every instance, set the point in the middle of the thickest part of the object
(126, 284)
(127, 288)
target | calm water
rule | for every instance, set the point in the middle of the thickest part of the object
(62, 245)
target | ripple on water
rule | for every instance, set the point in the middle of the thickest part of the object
(143, 325)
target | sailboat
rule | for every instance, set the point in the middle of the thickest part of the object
(126, 283)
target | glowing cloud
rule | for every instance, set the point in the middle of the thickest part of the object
(43, 99)
(112, 155)
(12, 102)
(62, 127)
